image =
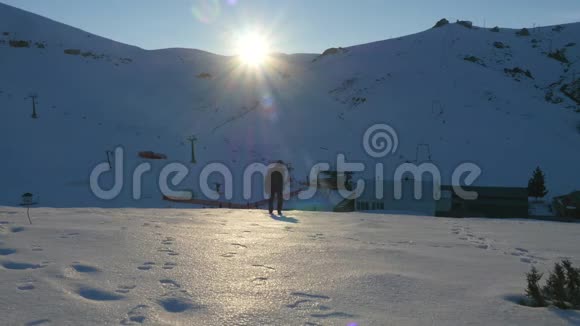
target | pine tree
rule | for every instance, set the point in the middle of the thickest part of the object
(533, 290)
(572, 284)
(537, 184)
(555, 287)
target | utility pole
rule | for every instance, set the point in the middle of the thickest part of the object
(33, 97)
(290, 169)
(192, 139)
(108, 159)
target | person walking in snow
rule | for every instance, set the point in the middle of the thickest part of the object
(275, 182)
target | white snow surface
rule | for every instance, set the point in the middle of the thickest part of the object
(93, 266)
(300, 108)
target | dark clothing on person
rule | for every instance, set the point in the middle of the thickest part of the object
(276, 189)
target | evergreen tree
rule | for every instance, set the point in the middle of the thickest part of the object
(572, 284)
(537, 185)
(533, 291)
(562, 288)
(555, 287)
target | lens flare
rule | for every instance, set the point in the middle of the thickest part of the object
(206, 11)
(252, 48)
(268, 106)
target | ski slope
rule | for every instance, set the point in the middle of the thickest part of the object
(90, 266)
(95, 94)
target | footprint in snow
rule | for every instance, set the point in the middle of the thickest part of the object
(177, 304)
(338, 314)
(16, 229)
(264, 266)
(136, 316)
(310, 301)
(309, 323)
(95, 294)
(36, 248)
(26, 286)
(125, 288)
(146, 266)
(69, 235)
(82, 268)
(299, 303)
(168, 251)
(317, 236)
(39, 322)
(20, 266)
(308, 295)
(169, 284)
(259, 280)
(7, 251)
(228, 255)
(169, 265)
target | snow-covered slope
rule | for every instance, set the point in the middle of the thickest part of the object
(238, 267)
(95, 94)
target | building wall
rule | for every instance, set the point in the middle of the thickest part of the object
(369, 201)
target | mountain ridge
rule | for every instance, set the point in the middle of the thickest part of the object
(453, 88)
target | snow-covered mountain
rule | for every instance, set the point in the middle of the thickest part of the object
(496, 97)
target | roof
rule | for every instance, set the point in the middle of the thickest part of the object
(495, 192)
(575, 197)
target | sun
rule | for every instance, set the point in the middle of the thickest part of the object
(252, 49)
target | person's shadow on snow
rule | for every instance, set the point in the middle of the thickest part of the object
(283, 218)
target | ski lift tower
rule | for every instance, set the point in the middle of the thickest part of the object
(192, 139)
(27, 201)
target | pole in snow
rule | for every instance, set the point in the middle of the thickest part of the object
(192, 139)
(33, 97)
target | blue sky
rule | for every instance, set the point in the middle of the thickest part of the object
(293, 26)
